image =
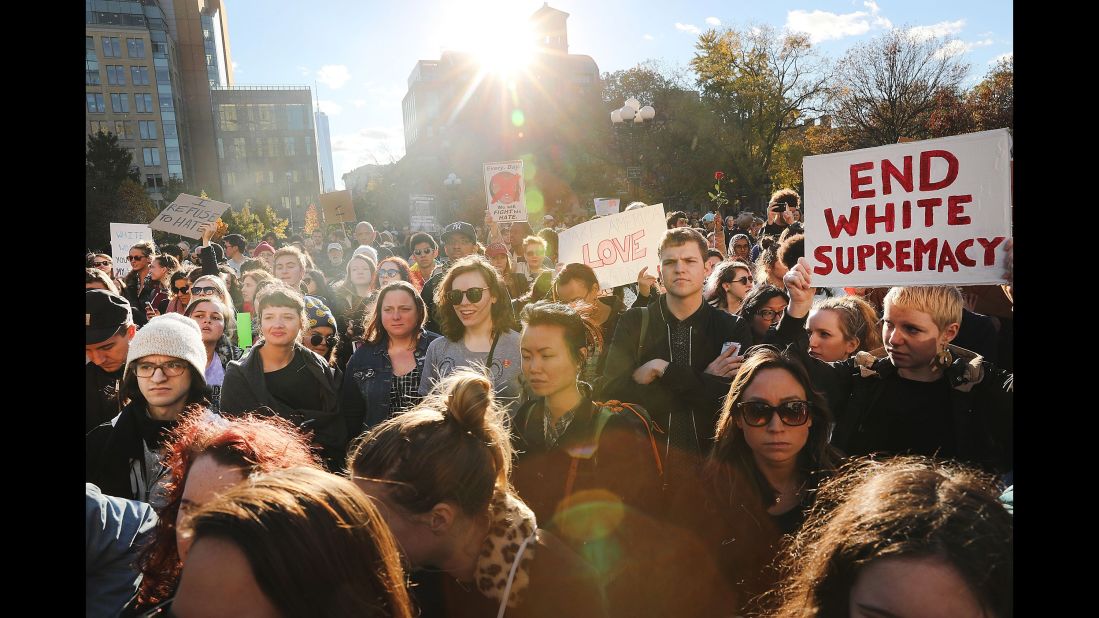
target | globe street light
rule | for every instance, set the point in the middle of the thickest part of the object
(632, 113)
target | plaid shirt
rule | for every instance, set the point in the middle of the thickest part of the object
(553, 431)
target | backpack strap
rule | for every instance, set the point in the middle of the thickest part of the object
(644, 330)
(609, 408)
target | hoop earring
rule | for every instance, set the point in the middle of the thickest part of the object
(942, 359)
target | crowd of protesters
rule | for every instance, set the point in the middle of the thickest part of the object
(457, 424)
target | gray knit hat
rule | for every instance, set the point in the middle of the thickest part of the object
(170, 334)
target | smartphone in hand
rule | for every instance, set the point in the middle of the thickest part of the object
(731, 344)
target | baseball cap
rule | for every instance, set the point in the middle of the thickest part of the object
(495, 249)
(708, 217)
(104, 314)
(335, 245)
(460, 227)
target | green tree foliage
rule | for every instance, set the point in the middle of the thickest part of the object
(112, 190)
(888, 87)
(758, 82)
(992, 102)
(253, 225)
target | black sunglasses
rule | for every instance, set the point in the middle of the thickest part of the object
(136, 257)
(203, 290)
(758, 413)
(183, 290)
(318, 338)
(101, 263)
(473, 294)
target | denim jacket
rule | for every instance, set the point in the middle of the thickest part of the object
(364, 396)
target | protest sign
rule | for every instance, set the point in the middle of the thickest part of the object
(932, 212)
(505, 191)
(186, 214)
(617, 247)
(605, 206)
(337, 207)
(422, 213)
(244, 330)
(124, 236)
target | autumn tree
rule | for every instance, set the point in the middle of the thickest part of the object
(889, 86)
(112, 189)
(992, 101)
(311, 220)
(760, 83)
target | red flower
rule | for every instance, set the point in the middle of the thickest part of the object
(719, 175)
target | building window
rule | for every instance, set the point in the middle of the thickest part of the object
(147, 129)
(144, 103)
(240, 149)
(116, 75)
(221, 149)
(152, 156)
(288, 142)
(166, 104)
(120, 130)
(120, 103)
(308, 147)
(140, 75)
(91, 72)
(135, 48)
(230, 178)
(154, 181)
(95, 103)
(112, 48)
(99, 126)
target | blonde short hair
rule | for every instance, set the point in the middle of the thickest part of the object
(942, 303)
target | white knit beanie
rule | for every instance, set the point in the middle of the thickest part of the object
(173, 335)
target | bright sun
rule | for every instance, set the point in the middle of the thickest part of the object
(496, 32)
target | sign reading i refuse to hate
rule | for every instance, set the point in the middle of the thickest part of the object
(186, 214)
(617, 246)
(933, 212)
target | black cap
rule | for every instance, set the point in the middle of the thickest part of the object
(460, 227)
(104, 314)
(235, 240)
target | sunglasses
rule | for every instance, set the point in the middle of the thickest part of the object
(134, 258)
(745, 280)
(422, 252)
(329, 341)
(473, 294)
(390, 272)
(182, 290)
(101, 263)
(758, 413)
(199, 290)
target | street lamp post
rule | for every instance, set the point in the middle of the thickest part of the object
(452, 182)
(632, 114)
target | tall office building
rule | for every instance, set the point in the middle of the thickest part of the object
(324, 148)
(266, 151)
(132, 87)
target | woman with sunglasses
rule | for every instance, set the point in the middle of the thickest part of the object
(383, 377)
(763, 309)
(138, 283)
(316, 285)
(771, 451)
(105, 263)
(728, 285)
(392, 269)
(479, 330)
(216, 324)
(320, 334)
(180, 286)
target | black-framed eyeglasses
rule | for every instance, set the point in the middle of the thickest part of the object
(101, 263)
(330, 341)
(171, 369)
(770, 314)
(473, 294)
(182, 290)
(422, 252)
(202, 290)
(758, 413)
(134, 258)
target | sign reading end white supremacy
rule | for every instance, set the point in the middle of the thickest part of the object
(935, 212)
(186, 214)
(618, 246)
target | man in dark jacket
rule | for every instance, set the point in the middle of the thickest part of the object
(459, 240)
(680, 370)
(108, 329)
(163, 375)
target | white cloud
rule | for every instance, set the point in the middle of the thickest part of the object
(304, 71)
(1008, 56)
(879, 21)
(329, 107)
(373, 145)
(941, 29)
(647, 36)
(956, 47)
(333, 75)
(713, 21)
(359, 103)
(825, 26)
(693, 29)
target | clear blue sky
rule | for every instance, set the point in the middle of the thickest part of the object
(359, 53)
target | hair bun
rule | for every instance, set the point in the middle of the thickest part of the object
(470, 398)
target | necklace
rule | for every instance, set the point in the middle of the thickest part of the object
(795, 493)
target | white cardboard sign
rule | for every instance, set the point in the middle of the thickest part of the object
(605, 206)
(618, 246)
(505, 191)
(933, 212)
(124, 236)
(186, 214)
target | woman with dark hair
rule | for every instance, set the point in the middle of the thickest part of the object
(516, 283)
(478, 329)
(180, 286)
(205, 455)
(138, 289)
(763, 309)
(320, 332)
(440, 475)
(316, 285)
(728, 285)
(577, 284)
(888, 538)
(294, 542)
(549, 235)
(771, 451)
(282, 374)
(383, 376)
(160, 270)
(216, 324)
(353, 299)
(392, 269)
